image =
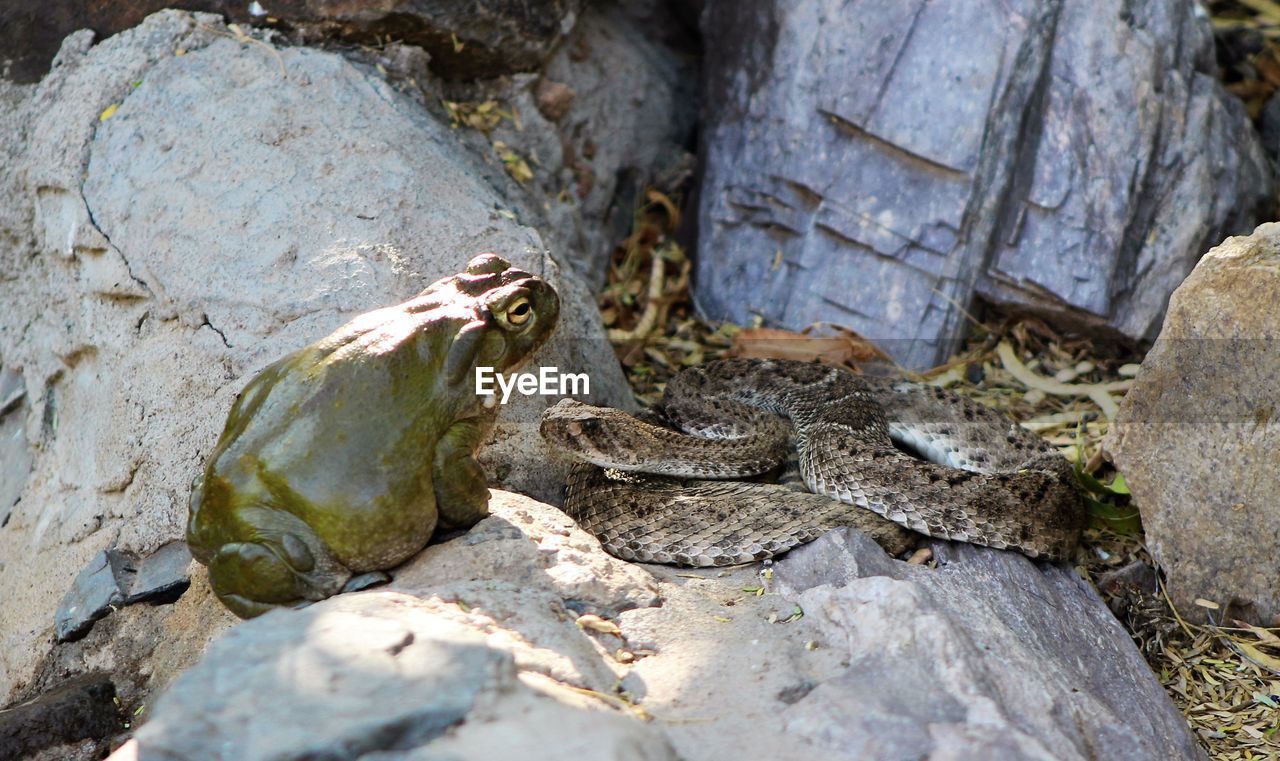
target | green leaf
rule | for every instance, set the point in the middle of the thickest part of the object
(1125, 521)
(1089, 482)
(1118, 485)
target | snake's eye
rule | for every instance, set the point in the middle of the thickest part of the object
(519, 311)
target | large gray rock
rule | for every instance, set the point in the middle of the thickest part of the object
(1198, 435)
(239, 203)
(844, 653)
(365, 674)
(988, 656)
(879, 166)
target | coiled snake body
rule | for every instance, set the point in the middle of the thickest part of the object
(645, 488)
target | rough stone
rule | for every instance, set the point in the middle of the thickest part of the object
(988, 656)
(466, 39)
(1198, 435)
(299, 189)
(880, 168)
(554, 98)
(82, 708)
(1134, 577)
(96, 591)
(524, 575)
(114, 579)
(386, 674)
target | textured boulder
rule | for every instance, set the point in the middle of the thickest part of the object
(841, 652)
(173, 224)
(880, 166)
(465, 38)
(987, 656)
(1198, 435)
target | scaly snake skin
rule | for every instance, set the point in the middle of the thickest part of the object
(644, 489)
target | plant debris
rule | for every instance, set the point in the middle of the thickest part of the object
(1248, 37)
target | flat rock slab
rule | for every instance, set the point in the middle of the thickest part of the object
(113, 579)
(880, 165)
(161, 576)
(99, 587)
(1198, 435)
(370, 673)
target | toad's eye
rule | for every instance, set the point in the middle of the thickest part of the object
(519, 311)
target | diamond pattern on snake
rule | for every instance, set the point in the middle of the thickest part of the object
(886, 456)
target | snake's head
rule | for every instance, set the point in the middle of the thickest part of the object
(595, 434)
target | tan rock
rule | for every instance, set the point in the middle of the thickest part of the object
(1198, 436)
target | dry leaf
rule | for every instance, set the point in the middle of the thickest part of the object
(1262, 659)
(845, 348)
(1265, 636)
(597, 624)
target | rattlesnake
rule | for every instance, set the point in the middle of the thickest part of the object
(644, 487)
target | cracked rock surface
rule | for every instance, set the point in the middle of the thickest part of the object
(879, 166)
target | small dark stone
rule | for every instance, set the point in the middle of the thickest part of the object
(162, 575)
(81, 708)
(1135, 576)
(96, 590)
(974, 372)
(581, 607)
(795, 692)
(366, 581)
(554, 99)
